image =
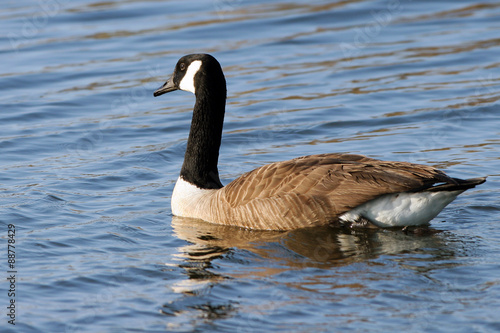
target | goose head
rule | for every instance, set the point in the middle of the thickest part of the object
(196, 73)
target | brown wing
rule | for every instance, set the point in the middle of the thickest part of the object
(316, 189)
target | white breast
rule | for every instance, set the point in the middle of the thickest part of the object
(188, 200)
(402, 209)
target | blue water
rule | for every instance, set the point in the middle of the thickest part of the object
(89, 159)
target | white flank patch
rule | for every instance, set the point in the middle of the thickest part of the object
(188, 199)
(187, 82)
(402, 209)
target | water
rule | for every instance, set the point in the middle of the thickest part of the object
(89, 160)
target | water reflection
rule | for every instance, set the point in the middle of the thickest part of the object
(315, 247)
(215, 254)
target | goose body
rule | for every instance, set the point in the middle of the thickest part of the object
(307, 191)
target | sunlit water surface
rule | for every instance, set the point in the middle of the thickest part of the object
(89, 159)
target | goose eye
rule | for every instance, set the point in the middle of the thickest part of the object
(182, 66)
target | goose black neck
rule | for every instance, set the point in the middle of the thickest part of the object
(202, 152)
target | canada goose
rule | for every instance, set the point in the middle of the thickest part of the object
(306, 191)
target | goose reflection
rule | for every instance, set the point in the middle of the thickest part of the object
(217, 253)
(321, 247)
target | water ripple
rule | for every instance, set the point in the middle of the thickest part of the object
(89, 161)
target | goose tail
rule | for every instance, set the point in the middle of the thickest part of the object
(458, 185)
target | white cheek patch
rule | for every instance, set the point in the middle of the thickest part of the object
(187, 82)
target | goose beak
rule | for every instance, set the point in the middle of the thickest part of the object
(167, 87)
